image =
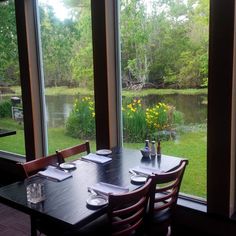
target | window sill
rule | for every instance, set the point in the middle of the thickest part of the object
(12, 156)
(192, 202)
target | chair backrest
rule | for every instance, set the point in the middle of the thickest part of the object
(32, 167)
(71, 151)
(126, 212)
(165, 189)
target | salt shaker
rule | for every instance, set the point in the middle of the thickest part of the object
(153, 149)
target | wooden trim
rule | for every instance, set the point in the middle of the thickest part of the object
(100, 73)
(25, 20)
(104, 73)
(219, 105)
(111, 72)
(233, 136)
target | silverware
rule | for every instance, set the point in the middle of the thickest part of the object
(96, 193)
(137, 174)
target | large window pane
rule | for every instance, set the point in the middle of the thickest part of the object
(164, 59)
(11, 113)
(66, 39)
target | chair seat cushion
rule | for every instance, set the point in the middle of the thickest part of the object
(161, 216)
(96, 227)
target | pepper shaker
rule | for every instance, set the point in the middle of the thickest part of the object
(146, 145)
(159, 148)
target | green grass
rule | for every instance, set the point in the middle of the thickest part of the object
(190, 145)
(127, 93)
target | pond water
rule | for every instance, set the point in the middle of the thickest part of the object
(194, 107)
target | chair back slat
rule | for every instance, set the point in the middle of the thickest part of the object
(164, 194)
(126, 212)
(71, 151)
(32, 167)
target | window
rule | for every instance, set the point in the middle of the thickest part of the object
(220, 133)
(11, 111)
(164, 59)
(67, 59)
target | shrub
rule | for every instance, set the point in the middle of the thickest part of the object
(81, 121)
(139, 123)
(161, 120)
(5, 109)
(134, 124)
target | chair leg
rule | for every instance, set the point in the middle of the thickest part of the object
(33, 226)
(169, 231)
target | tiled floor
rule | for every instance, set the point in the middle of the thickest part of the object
(13, 222)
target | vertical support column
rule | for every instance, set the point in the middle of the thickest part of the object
(27, 41)
(220, 106)
(104, 56)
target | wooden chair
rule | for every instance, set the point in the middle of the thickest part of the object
(163, 199)
(125, 215)
(71, 151)
(32, 167)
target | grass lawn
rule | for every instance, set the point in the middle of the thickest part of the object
(63, 90)
(190, 145)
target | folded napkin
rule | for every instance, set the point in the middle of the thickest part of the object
(55, 173)
(145, 170)
(96, 158)
(105, 188)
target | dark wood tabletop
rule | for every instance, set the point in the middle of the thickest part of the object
(65, 201)
(4, 132)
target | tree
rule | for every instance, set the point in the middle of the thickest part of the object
(82, 58)
(9, 69)
(58, 38)
(134, 43)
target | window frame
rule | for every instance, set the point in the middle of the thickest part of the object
(221, 99)
(220, 151)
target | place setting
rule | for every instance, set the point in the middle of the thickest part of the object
(55, 173)
(96, 200)
(67, 166)
(104, 152)
(100, 191)
(98, 158)
(137, 178)
(139, 174)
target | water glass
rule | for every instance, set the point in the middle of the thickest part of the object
(35, 192)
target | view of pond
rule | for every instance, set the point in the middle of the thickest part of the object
(194, 107)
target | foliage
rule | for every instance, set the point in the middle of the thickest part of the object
(57, 46)
(161, 120)
(5, 109)
(9, 69)
(134, 125)
(134, 37)
(164, 44)
(81, 121)
(139, 123)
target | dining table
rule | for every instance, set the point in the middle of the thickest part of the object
(66, 201)
(5, 132)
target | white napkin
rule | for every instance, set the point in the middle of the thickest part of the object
(96, 158)
(54, 173)
(145, 170)
(105, 188)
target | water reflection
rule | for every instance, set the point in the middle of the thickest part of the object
(58, 109)
(193, 107)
